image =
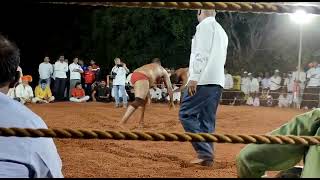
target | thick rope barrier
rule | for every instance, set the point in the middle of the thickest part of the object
(159, 136)
(254, 7)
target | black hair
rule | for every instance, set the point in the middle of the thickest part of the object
(43, 82)
(9, 61)
(78, 83)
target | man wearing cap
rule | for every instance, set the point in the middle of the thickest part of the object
(245, 83)
(275, 86)
(24, 91)
(311, 94)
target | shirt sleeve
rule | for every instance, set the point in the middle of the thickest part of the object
(203, 43)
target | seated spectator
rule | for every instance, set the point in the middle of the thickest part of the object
(78, 94)
(101, 93)
(24, 91)
(43, 93)
(155, 94)
(249, 100)
(176, 95)
(256, 100)
(89, 78)
(264, 96)
(283, 100)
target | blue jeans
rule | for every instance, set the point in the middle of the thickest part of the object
(198, 115)
(123, 94)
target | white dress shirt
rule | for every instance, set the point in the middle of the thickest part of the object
(120, 78)
(45, 70)
(75, 75)
(228, 82)
(254, 85)
(314, 75)
(26, 157)
(245, 85)
(208, 53)
(60, 69)
(24, 91)
(265, 83)
(302, 78)
(275, 83)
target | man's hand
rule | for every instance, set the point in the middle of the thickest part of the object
(192, 87)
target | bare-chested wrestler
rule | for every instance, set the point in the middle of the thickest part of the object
(180, 76)
(142, 79)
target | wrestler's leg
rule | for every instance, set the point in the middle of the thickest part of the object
(141, 89)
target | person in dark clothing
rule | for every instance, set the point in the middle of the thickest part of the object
(101, 93)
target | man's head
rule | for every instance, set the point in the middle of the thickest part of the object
(78, 85)
(43, 84)
(117, 61)
(245, 74)
(103, 83)
(92, 62)
(9, 61)
(46, 59)
(276, 72)
(61, 58)
(284, 75)
(156, 60)
(90, 68)
(26, 79)
(202, 14)
(75, 60)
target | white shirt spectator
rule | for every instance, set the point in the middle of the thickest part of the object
(283, 101)
(75, 75)
(120, 78)
(302, 78)
(60, 69)
(45, 70)
(228, 82)
(314, 75)
(265, 82)
(245, 85)
(155, 93)
(275, 83)
(254, 85)
(24, 91)
(26, 157)
(208, 53)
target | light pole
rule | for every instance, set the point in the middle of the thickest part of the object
(300, 17)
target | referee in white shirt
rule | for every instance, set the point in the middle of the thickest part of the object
(206, 81)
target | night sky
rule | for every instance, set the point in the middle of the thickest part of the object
(40, 30)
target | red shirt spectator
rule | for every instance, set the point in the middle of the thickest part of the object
(77, 93)
(89, 76)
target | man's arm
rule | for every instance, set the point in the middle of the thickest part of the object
(169, 86)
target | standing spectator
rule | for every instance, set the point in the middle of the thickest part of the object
(228, 95)
(254, 84)
(60, 69)
(75, 73)
(275, 86)
(101, 93)
(45, 70)
(67, 88)
(120, 70)
(21, 74)
(266, 81)
(245, 84)
(260, 77)
(289, 84)
(311, 94)
(43, 93)
(24, 91)
(95, 67)
(298, 86)
(78, 94)
(89, 79)
(206, 81)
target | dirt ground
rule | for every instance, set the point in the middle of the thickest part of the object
(109, 158)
